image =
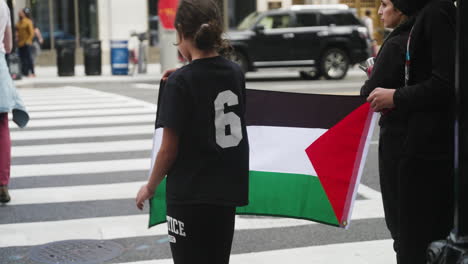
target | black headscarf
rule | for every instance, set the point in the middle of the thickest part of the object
(409, 7)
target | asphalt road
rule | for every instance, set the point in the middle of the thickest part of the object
(76, 169)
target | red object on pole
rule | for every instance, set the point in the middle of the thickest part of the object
(167, 11)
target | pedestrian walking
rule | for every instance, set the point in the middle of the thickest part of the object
(389, 71)
(425, 169)
(369, 23)
(25, 35)
(37, 40)
(9, 100)
(133, 52)
(204, 149)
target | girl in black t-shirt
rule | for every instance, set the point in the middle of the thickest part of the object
(204, 150)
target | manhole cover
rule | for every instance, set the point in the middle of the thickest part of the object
(76, 252)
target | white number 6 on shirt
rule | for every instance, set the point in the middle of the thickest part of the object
(223, 120)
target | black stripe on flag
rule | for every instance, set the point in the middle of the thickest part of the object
(283, 109)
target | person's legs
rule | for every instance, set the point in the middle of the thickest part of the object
(200, 233)
(23, 53)
(426, 207)
(30, 59)
(5, 157)
(390, 141)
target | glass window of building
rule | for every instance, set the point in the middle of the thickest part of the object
(66, 21)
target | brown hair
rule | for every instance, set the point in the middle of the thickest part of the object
(201, 21)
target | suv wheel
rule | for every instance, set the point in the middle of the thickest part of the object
(239, 58)
(334, 64)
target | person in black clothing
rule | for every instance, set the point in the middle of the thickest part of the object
(426, 163)
(389, 71)
(204, 149)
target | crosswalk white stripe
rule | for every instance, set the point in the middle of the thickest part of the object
(367, 252)
(54, 169)
(52, 98)
(75, 101)
(93, 112)
(69, 194)
(136, 226)
(116, 96)
(146, 86)
(84, 132)
(81, 148)
(90, 106)
(125, 119)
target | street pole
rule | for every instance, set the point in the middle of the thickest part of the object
(455, 249)
(51, 25)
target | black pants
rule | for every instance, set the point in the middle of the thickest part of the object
(200, 233)
(391, 141)
(426, 210)
(27, 65)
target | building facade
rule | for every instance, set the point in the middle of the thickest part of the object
(77, 20)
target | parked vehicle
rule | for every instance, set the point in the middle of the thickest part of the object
(327, 38)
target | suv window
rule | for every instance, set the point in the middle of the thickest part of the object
(307, 20)
(339, 19)
(275, 21)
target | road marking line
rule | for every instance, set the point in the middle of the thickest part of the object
(146, 86)
(369, 193)
(93, 112)
(106, 120)
(84, 132)
(75, 101)
(81, 148)
(49, 108)
(116, 227)
(368, 252)
(54, 169)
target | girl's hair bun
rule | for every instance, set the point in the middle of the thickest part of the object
(201, 21)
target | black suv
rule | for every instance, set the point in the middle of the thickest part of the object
(327, 38)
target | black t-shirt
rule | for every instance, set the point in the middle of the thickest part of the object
(205, 103)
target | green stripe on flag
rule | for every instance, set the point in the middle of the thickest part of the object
(288, 195)
(274, 194)
(158, 205)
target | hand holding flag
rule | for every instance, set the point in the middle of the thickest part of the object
(144, 194)
(381, 98)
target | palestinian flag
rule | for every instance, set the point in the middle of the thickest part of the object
(307, 153)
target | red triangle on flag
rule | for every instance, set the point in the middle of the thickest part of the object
(336, 157)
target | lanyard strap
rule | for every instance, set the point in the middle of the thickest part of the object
(408, 58)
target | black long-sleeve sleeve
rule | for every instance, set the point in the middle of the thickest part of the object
(438, 29)
(389, 69)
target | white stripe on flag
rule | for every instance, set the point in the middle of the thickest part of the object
(361, 164)
(282, 149)
(82, 132)
(81, 148)
(116, 227)
(79, 167)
